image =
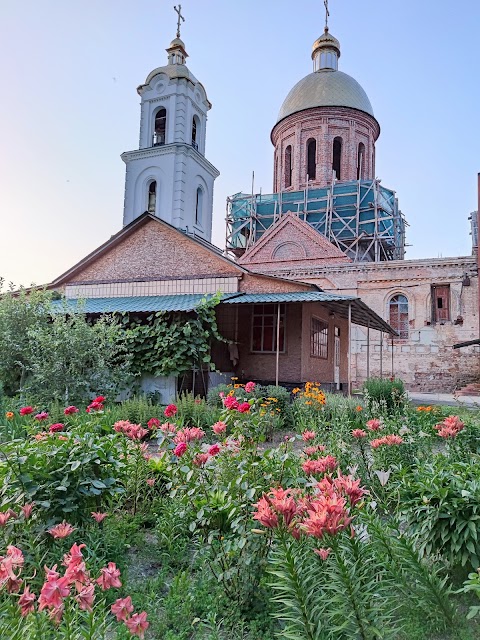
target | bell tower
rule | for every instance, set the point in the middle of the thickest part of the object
(168, 175)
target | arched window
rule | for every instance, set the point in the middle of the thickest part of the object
(152, 197)
(398, 315)
(361, 162)
(288, 166)
(160, 126)
(337, 157)
(195, 131)
(312, 159)
(199, 206)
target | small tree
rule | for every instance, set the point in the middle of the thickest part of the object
(58, 355)
(71, 358)
(20, 313)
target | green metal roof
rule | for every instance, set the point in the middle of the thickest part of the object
(186, 302)
(290, 296)
(360, 313)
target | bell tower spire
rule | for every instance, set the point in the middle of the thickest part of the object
(168, 175)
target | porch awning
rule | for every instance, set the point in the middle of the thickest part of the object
(185, 302)
(338, 304)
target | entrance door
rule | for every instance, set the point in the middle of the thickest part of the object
(336, 359)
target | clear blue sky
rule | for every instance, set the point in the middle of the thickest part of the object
(69, 107)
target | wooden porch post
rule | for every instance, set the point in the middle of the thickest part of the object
(277, 360)
(392, 359)
(381, 354)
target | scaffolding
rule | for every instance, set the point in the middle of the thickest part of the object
(361, 218)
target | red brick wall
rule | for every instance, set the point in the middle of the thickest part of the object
(318, 369)
(426, 361)
(251, 283)
(261, 366)
(324, 124)
(152, 251)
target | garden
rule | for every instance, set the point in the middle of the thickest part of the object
(254, 513)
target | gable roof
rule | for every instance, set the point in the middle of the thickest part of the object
(310, 244)
(131, 229)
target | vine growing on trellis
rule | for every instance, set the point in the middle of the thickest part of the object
(170, 344)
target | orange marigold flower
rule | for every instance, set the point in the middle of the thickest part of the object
(9, 415)
(359, 408)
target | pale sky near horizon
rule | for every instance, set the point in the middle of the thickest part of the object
(69, 108)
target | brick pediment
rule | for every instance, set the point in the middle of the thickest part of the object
(150, 249)
(292, 241)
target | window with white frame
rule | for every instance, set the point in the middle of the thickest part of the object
(264, 328)
(318, 338)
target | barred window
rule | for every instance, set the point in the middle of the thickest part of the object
(318, 338)
(264, 329)
(399, 316)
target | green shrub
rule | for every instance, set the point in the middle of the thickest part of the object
(441, 507)
(383, 395)
(65, 478)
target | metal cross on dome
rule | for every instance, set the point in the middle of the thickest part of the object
(180, 18)
(327, 13)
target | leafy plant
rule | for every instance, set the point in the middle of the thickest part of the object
(441, 507)
(384, 395)
(68, 477)
(169, 344)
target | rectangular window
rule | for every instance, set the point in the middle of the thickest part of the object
(441, 303)
(264, 328)
(318, 338)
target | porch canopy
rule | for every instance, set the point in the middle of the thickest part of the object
(361, 314)
(341, 305)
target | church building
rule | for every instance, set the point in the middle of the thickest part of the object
(330, 222)
(277, 329)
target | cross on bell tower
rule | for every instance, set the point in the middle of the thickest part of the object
(180, 18)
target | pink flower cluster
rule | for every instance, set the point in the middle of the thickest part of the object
(75, 582)
(320, 465)
(170, 410)
(359, 433)
(374, 425)
(10, 514)
(327, 512)
(219, 427)
(132, 431)
(313, 449)
(386, 440)
(232, 404)
(308, 435)
(249, 387)
(70, 410)
(97, 404)
(188, 434)
(450, 427)
(153, 423)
